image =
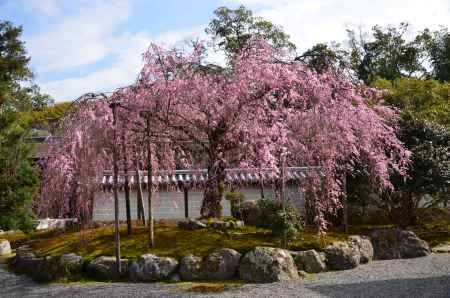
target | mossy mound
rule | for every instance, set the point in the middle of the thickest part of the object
(170, 241)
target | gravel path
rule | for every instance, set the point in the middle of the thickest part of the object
(421, 277)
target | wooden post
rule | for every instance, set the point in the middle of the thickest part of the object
(282, 193)
(186, 202)
(140, 201)
(150, 184)
(261, 184)
(116, 197)
(345, 205)
(127, 183)
(322, 191)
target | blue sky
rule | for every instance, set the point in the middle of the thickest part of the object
(79, 46)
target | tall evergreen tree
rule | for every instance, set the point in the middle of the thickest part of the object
(18, 96)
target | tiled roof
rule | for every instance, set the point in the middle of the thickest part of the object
(199, 176)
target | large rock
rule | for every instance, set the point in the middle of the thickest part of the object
(267, 264)
(5, 247)
(398, 244)
(46, 269)
(38, 268)
(309, 261)
(70, 265)
(191, 224)
(104, 268)
(191, 268)
(342, 256)
(24, 261)
(365, 247)
(222, 264)
(152, 268)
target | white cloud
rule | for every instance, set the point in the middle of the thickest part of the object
(79, 39)
(310, 22)
(47, 7)
(128, 50)
(91, 35)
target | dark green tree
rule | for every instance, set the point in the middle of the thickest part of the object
(388, 55)
(438, 48)
(428, 182)
(321, 57)
(232, 28)
(13, 60)
(18, 179)
(18, 97)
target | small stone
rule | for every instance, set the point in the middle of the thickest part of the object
(239, 223)
(221, 225)
(5, 247)
(441, 249)
(56, 223)
(302, 274)
(191, 224)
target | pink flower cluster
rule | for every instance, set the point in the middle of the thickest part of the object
(243, 115)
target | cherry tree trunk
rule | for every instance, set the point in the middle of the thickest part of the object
(73, 199)
(345, 206)
(127, 184)
(127, 200)
(211, 205)
(310, 212)
(140, 201)
(86, 212)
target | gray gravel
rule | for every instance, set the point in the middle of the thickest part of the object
(421, 277)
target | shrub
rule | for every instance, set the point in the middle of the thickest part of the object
(283, 222)
(236, 200)
(287, 223)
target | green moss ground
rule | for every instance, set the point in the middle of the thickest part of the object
(175, 242)
(209, 287)
(14, 237)
(169, 241)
